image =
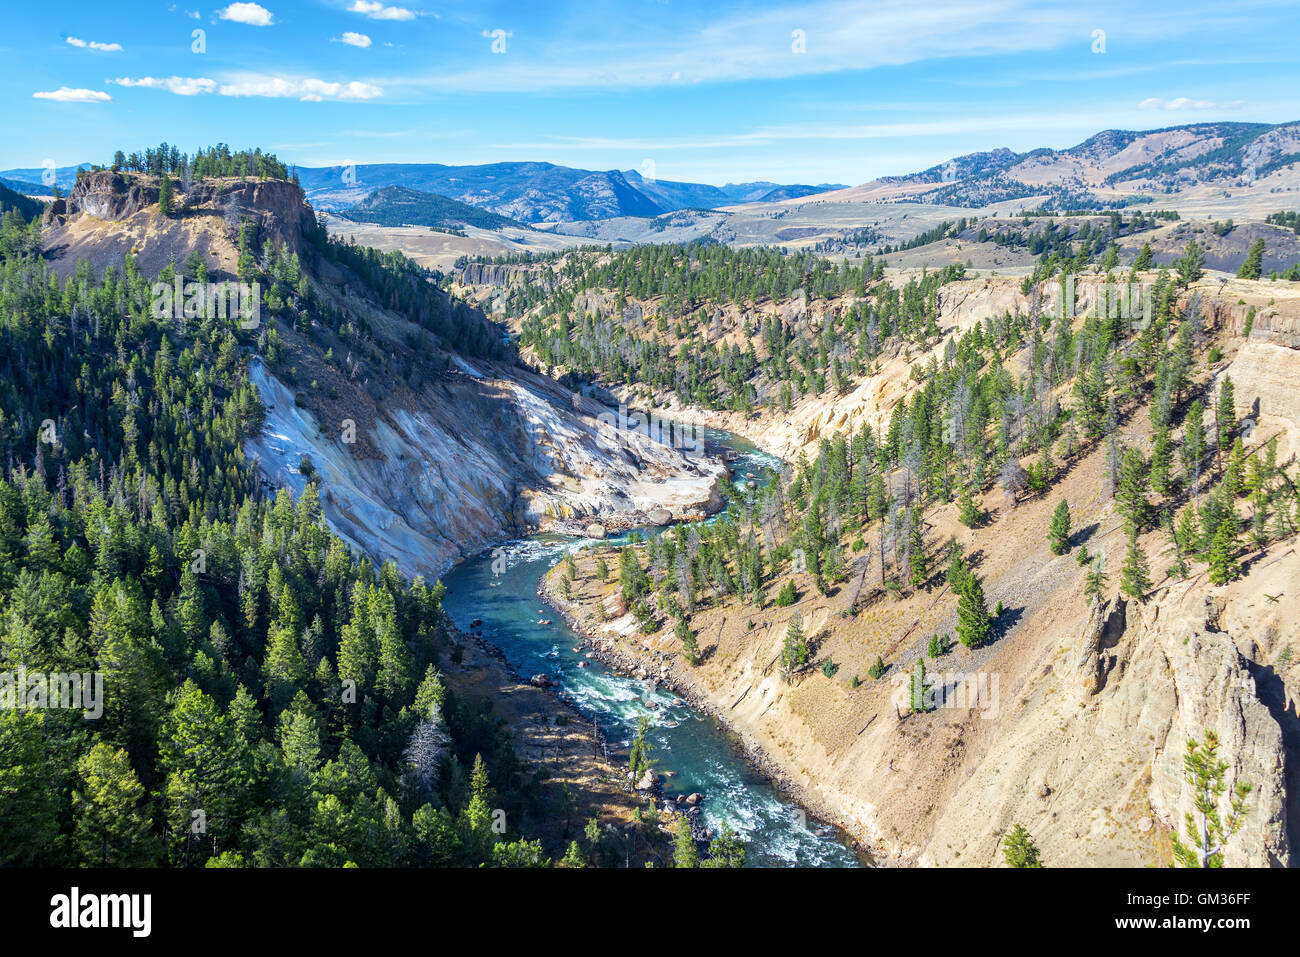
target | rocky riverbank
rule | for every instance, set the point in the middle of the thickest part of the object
(646, 666)
(552, 736)
(610, 760)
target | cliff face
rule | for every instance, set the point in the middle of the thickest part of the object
(1083, 726)
(276, 205)
(1224, 304)
(492, 454)
(446, 454)
(503, 275)
(108, 214)
(1074, 727)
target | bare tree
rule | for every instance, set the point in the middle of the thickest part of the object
(1013, 479)
(429, 744)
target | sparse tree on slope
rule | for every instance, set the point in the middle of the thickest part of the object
(1058, 535)
(1094, 585)
(1135, 576)
(1019, 849)
(973, 621)
(1223, 550)
(685, 853)
(1253, 266)
(1207, 832)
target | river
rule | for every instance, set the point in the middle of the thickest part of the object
(500, 587)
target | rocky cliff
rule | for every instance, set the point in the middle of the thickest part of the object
(1072, 723)
(109, 214)
(422, 455)
(489, 454)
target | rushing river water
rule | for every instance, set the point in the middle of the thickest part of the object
(703, 754)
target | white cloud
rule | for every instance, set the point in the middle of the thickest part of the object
(258, 84)
(95, 45)
(65, 94)
(303, 88)
(253, 14)
(355, 39)
(180, 85)
(1184, 103)
(377, 11)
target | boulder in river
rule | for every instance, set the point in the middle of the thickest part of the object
(540, 681)
(647, 780)
(694, 798)
(596, 530)
(659, 516)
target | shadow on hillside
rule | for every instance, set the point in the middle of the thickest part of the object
(1009, 618)
(1084, 535)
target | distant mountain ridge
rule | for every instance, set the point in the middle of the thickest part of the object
(1111, 168)
(13, 199)
(533, 192)
(403, 206)
(31, 178)
(672, 196)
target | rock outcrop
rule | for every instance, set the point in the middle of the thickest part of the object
(486, 457)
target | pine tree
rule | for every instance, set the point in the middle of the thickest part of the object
(1094, 585)
(1131, 498)
(1223, 550)
(29, 807)
(1253, 265)
(726, 850)
(112, 829)
(973, 621)
(165, 195)
(1019, 849)
(1144, 258)
(685, 851)
(1207, 831)
(573, 857)
(1135, 576)
(1058, 535)
(1162, 454)
(1111, 259)
(1188, 533)
(1225, 418)
(1194, 438)
(917, 688)
(1191, 264)
(690, 645)
(476, 819)
(1234, 474)
(916, 557)
(794, 651)
(971, 515)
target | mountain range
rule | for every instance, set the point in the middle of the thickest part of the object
(1112, 168)
(538, 192)
(402, 206)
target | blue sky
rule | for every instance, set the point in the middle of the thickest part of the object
(716, 92)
